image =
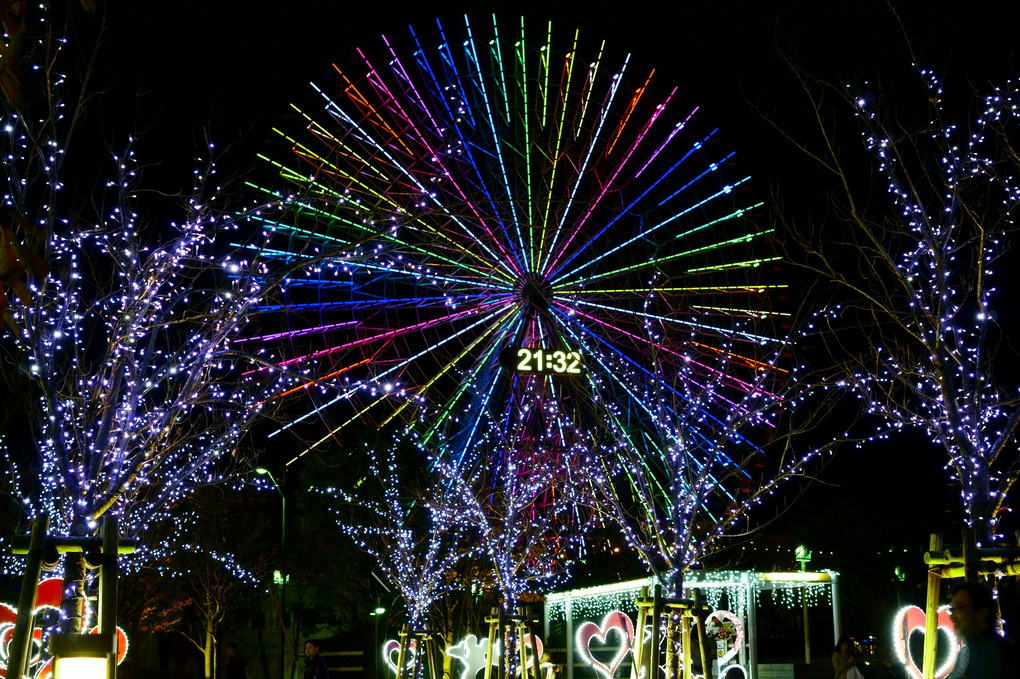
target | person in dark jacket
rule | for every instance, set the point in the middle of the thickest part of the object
(315, 665)
(985, 654)
(236, 664)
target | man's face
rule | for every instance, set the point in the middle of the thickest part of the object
(967, 621)
(310, 649)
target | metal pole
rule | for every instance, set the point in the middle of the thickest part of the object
(752, 627)
(108, 574)
(570, 637)
(639, 656)
(19, 648)
(706, 669)
(283, 568)
(807, 626)
(837, 613)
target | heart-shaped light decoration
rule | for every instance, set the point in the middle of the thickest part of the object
(912, 619)
(615, 621)
(725, 627)
(539, 649)
(391, 654)
(49, 595)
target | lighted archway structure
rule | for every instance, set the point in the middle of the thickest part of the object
(742, 589)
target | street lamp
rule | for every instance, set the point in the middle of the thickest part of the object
(379, 610)
(82, 656)
(803, 555)
(262, 471)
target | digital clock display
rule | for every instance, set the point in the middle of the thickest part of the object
(543, 361)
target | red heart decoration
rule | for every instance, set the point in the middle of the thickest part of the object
(912, 619)
(49, 596)
(615, 621)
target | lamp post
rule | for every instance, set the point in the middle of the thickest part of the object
(262, 471)
(83, 656)
(379, 610)
(803, 555)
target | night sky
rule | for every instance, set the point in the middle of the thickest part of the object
(173, 69)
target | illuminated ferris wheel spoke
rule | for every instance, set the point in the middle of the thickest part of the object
(432, 151)
(443, 415)
(469, 150)
(454, 117)
(674, 320)
(723, 377)
(648, 232)
(325, 379)
(544, 67)
(430, 196)
(610, 183)
(346, 395)
(484, 193)
(614, 373)
(716, 248)
(391, 334)
(581, 174)
(495, 137)
(463, 354)
(554, 267)
(291, 334)
(568, 71)
(520, 51)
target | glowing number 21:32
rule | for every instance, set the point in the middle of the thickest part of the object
(555, 361)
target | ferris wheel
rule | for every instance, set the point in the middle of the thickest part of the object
(499, 225)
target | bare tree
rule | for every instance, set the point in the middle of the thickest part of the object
(915, 329)
(192, 588)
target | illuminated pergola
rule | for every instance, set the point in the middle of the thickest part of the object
(742, 589)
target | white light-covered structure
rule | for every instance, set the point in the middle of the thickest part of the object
(742, 590)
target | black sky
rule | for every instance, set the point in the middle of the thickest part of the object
(173, 69)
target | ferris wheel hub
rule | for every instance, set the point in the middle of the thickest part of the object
(534, 292)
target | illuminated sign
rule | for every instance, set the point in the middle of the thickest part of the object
(615, 621)
(725, 627)
(538, 361)
(472, 652)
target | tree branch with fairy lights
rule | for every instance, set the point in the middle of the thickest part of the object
(511, 490)
(718, 441)
(917, 332)
(140, 358)
(399, 513)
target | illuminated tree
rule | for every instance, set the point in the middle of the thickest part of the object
(404, 523)
(696, 470)
(135, 353)
(918, 333)
(521, 510)
(133, 340)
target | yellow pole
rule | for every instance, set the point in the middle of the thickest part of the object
(932, 612)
